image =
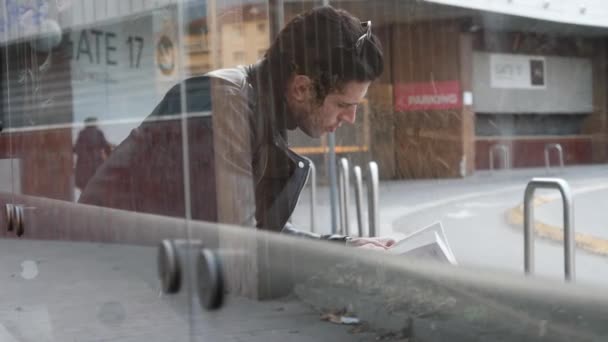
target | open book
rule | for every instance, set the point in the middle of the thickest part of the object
(429, 242)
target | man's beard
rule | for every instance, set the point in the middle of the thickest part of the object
(312, 127)
(312, 132)
(308, 121)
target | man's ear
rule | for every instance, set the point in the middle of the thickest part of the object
(300, 87)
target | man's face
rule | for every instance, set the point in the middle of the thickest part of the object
(338, 107)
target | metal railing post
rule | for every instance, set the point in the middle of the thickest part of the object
(313, 195)
(505, 154)
(344, 195)
(359, 197)
(569, 243)
(560, 154)
(373, 198)
(333, 186)
(340, 201)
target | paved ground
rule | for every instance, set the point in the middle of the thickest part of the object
(590, 210)
(474, 212)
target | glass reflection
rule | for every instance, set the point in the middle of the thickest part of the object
(91, 150)
(213, 111)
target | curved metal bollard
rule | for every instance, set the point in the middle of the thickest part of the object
(560, 154)
(505, 154)
(340, 201)
(569, 243)
(344, 195)
(359, 197)
(373, 198)
(313, 195)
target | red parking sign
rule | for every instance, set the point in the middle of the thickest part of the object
(427, 96)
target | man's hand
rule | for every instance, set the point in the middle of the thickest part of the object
(377, 243)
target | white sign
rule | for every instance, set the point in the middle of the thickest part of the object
(517, 71)
(588, 12)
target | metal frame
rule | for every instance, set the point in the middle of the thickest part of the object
(10, 216)
(569, 243)
(19, 220)
(344, 194)
(505, 153)
(359, 197)
(15, 218)
(373, 197)
(172, 262)
(560, 153)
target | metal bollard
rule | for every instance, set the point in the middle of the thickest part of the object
(569, 244)
(313, 195)
(344, 195)
(505, 154)
(359, 197)
(340, 201)
(560, 154)
(373, 198)
(333, 183)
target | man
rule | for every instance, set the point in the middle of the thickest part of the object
(240, 169)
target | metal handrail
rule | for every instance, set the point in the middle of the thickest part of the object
(560, 154)
(373, 197)
(344, 195)
(359, 197)
(505, 154)
(564, 189)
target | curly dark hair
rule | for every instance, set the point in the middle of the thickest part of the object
(324, 44)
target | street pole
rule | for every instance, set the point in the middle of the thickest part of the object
(333, 182)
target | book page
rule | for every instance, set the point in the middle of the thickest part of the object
(428, 242)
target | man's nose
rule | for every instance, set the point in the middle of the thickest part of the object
(349, 115)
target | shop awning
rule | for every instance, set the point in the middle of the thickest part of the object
(587, 12)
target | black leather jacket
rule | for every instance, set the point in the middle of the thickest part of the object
(241, 170)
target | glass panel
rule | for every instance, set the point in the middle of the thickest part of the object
(80, 80)
(278, 171)
(346, 294)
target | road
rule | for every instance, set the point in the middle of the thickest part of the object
(474, 214)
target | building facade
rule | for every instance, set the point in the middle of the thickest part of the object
(462, 80)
